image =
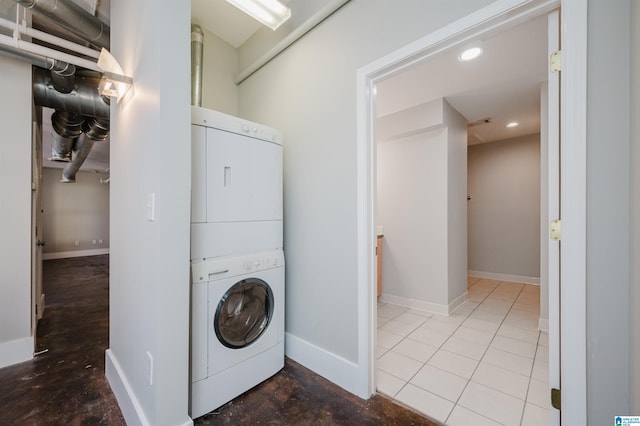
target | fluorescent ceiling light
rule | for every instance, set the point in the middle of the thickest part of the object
(470, 53)
(512, 124)
(271, 13)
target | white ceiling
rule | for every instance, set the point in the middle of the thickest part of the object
(224, 20)
(502, 84)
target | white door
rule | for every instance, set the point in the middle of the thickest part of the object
(553, 212)
(243, 178)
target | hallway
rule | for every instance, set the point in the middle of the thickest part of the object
(66, 384)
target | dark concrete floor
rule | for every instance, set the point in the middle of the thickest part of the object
(66, 385)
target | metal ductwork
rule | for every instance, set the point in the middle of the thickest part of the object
(95, 130)
(81, 115)
(63, 80)
(82, 148)
(84, 99)
(67, 127)
(73, 18)
(197, 38)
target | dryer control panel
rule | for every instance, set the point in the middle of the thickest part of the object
(230, 266)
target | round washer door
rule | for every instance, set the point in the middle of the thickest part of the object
(243, 313)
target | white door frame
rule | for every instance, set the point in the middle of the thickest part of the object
(498, 16)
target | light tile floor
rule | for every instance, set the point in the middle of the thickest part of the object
(485, 364)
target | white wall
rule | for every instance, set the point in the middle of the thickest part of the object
(149, 263)
(309, 92)
(608, 207)
(421, 203)
(219, 68)
(504, 210)
(74, 212)
(16, 343)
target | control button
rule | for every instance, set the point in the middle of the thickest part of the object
(255, 130)
(245, 128)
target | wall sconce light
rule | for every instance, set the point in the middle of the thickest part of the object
(113, 82)
(271, 13)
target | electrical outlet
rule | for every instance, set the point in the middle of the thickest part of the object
(93, 241)
(149, 369)
(99, 241)
(76, 242)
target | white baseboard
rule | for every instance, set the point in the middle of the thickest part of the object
(332, 367)
(129, 405)
(543, 324)
(457, 302)
(435, 308)
(16, 351)
(77, 253)
(504, 277)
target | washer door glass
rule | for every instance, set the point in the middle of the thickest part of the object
(244, 313)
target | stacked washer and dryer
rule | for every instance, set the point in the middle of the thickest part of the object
(237, 262)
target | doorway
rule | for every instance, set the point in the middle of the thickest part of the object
(491, 345)
(483, 22)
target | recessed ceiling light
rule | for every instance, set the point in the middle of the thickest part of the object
(470, 53)
(512, 124)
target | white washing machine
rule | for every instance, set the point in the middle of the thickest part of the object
(237, 326)
(236, 195)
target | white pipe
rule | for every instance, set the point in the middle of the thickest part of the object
(307, 26)
(40, 35)
(49, 53)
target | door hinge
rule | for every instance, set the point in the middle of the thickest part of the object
(556, 230)
(555, 62)
(555, 398)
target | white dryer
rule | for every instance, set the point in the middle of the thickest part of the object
(236, 195)
(237, 326)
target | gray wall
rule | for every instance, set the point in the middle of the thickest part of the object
(75, 212)
(608, 207)
(15, 215)
(309, 92)
(504, 210)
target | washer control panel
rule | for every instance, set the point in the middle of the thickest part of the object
(229, 266)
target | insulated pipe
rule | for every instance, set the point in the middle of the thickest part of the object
(73, 18)
(82, 149)
(84, 99)
(197, 38)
